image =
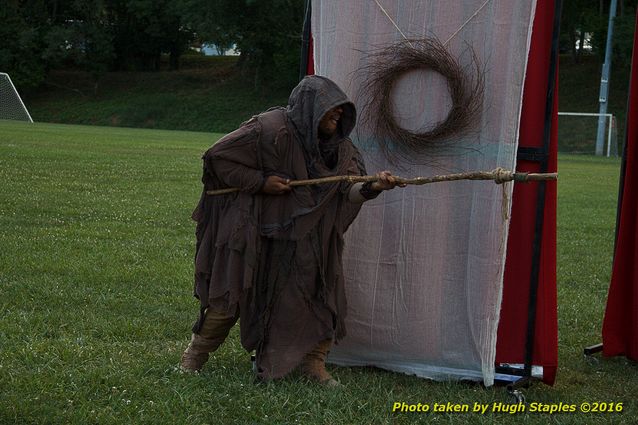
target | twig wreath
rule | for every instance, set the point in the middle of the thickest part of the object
(386, 66)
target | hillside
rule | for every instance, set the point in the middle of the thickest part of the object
(579, 86)
(207, 94)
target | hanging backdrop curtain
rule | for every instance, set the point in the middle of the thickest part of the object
(424, 265)
(513, 326)
(620, 327)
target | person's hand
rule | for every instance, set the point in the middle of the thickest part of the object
(386, 182)
(276, 185)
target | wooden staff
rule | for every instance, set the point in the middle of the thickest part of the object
(499, 176)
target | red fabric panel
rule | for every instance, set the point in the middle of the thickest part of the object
(620, 327)
(512, 331)
(310, 69)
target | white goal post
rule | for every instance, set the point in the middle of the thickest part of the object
(612, 149)
(11, 105)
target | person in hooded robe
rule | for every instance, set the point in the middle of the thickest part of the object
(271, 253)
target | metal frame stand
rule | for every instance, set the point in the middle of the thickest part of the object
(593, 349)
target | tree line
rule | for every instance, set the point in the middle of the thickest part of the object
(132, 35)
(584, 26)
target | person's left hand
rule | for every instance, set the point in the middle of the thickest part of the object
(386, 182)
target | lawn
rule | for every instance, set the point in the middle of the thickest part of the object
(96, 246)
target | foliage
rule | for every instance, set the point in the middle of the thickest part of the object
(624, 27)
(575, 18)
(132, 35)
(93, 35)
(266, 32)
(81, 38)
(144, 29)
(583, 18)
(623, 37)
(42, 34)
(22, 31)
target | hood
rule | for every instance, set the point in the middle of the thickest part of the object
(308, 103)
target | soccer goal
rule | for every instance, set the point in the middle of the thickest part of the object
(577, 132)
(11, 105)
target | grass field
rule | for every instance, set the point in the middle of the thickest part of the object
(96, 246)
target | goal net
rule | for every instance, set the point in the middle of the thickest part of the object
(577, 133)
(11, 105)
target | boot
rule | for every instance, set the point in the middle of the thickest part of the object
(213, 332)
(313, 364)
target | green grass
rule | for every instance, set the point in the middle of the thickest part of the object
(96, 249)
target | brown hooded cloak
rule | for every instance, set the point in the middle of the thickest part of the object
(278, 257)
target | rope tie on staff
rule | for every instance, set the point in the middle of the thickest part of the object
(501, 175)
(498, 175)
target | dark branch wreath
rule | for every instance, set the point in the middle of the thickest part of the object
(386, 66)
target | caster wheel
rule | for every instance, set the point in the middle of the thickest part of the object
(517, 396)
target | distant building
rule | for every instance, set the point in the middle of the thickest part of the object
(587, 47)
(214, 50)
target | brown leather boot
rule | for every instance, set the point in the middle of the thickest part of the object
(313, 364)
(213, 332)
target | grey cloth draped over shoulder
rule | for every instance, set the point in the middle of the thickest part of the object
(278, 257)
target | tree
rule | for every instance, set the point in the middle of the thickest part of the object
(99, 35)
(42, 34)
(579, 17)
(144, 29)
(23, 25)
(589, 17)
(267, 33)
(82, 37)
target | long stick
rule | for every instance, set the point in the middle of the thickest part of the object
(499, 176)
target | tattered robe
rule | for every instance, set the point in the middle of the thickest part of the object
(278, 257)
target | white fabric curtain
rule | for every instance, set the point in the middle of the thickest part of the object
(424, 265)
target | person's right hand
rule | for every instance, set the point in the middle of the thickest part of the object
(276, 185)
